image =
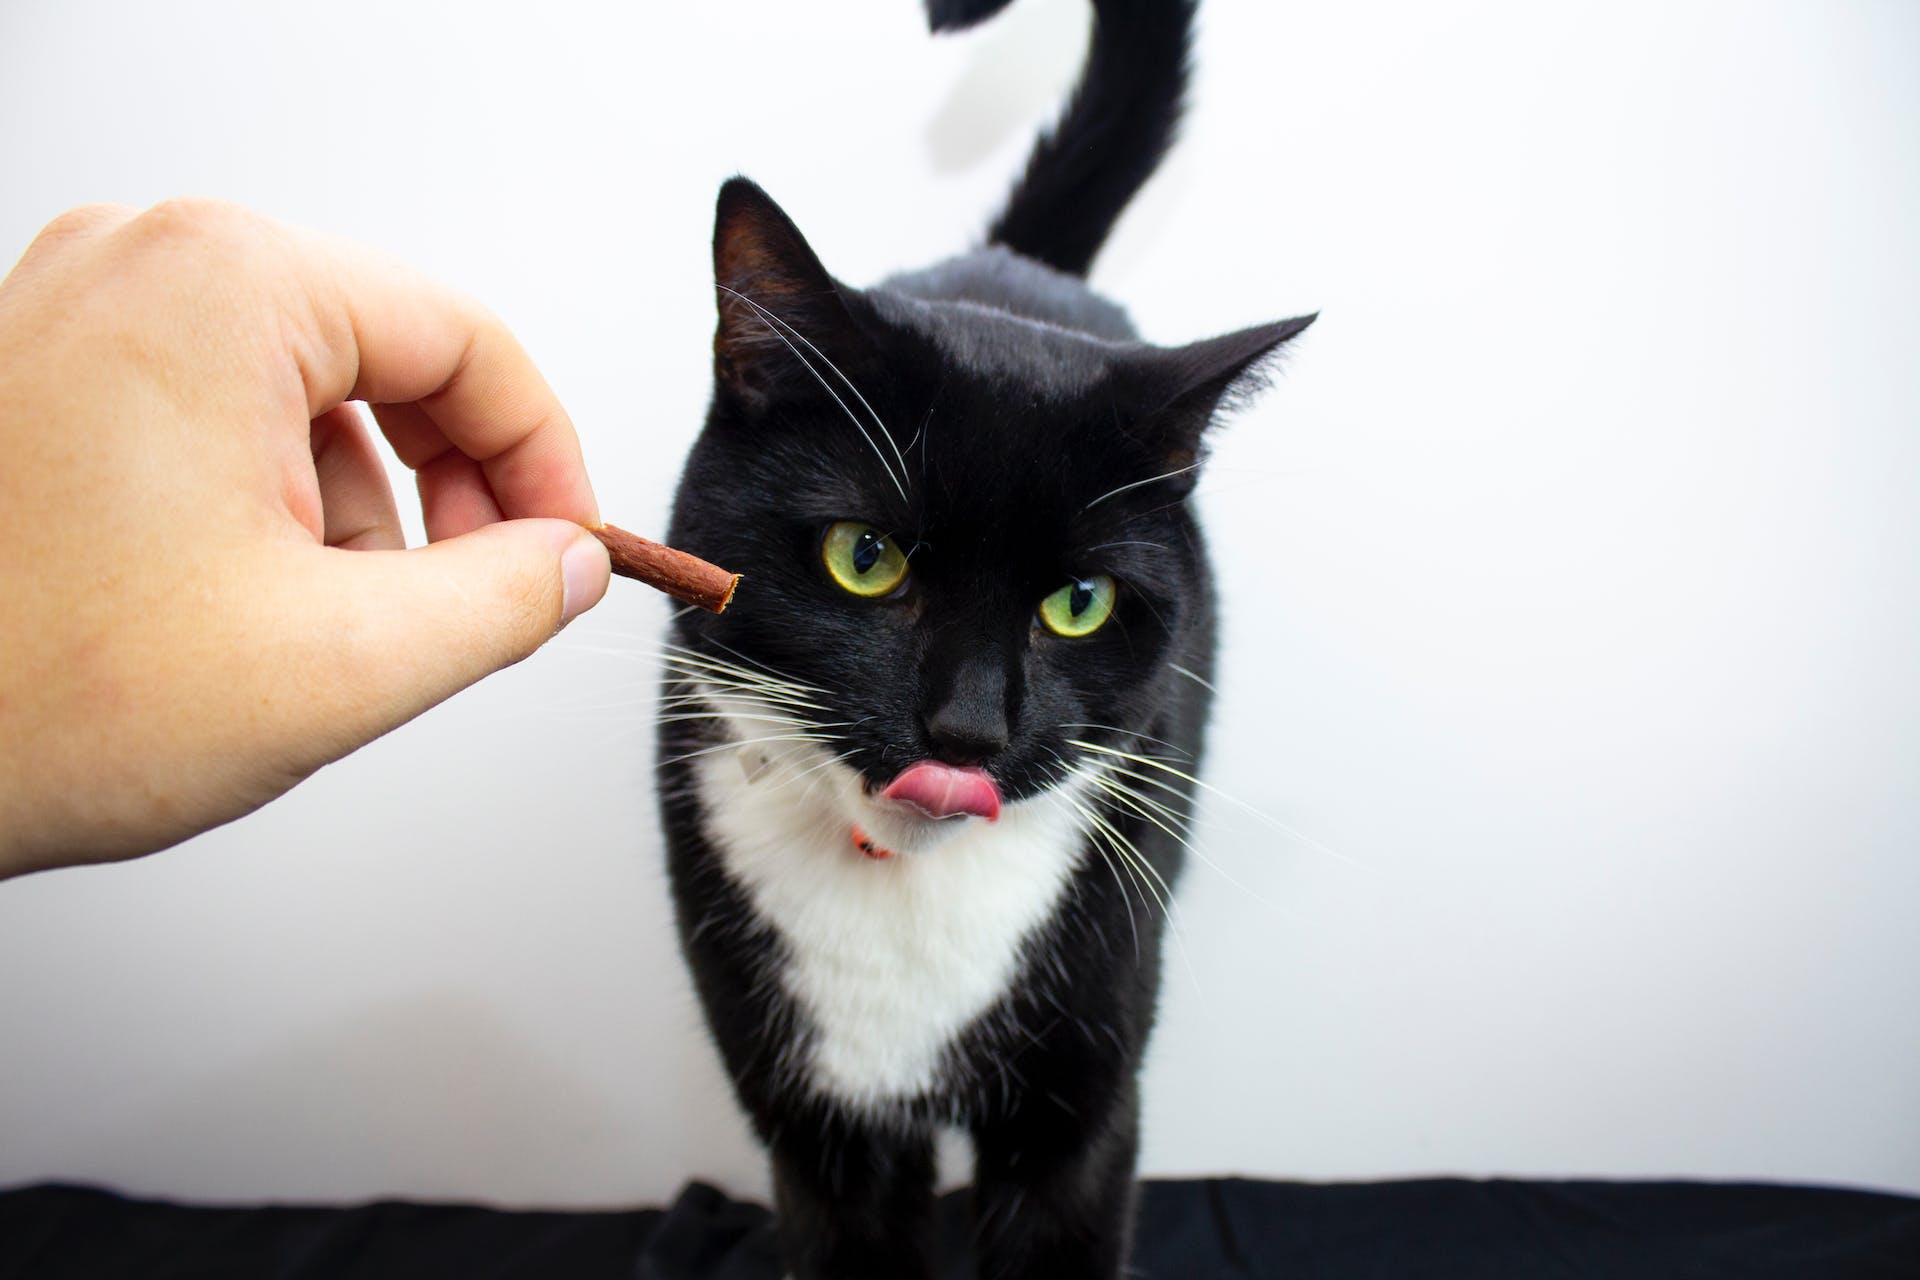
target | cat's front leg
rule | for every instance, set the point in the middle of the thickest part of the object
(1053, 1193)
(854, 1202)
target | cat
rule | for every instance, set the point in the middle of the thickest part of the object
(922, 783)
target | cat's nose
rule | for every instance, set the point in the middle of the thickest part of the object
(958, 740)
(969, 724)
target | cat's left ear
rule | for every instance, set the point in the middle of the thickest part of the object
(1182, 388)
(780, 312)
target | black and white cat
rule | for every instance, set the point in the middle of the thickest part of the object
(921, 782)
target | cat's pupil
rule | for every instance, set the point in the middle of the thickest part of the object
(1079, 598)
(866, 552)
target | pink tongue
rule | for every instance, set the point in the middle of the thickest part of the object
(942, 791)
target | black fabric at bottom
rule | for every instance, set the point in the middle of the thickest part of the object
(1216, 1229)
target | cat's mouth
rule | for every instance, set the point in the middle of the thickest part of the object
(946, 791)
(924, 795)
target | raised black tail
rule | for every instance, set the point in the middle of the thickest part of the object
(1120, 121)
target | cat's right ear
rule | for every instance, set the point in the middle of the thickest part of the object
(780, 312)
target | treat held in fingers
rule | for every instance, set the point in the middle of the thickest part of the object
(684, 577)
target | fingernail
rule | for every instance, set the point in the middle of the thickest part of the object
(583, 567)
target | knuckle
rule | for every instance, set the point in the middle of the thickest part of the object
(226, 258)
(83, 221)
(196, 220)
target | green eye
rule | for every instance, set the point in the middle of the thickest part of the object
(1080, 608)
(862, 559)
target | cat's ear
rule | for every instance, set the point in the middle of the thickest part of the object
(1192, 383)
(779, 309)
(1176, 392)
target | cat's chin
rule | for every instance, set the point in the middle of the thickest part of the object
(882, 828)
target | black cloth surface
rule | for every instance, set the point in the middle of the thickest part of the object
(1215, 1229)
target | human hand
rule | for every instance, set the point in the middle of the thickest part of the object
(204, 595)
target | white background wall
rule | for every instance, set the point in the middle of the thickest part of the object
(1570, 586)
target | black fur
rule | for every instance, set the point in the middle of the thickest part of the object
(1042, 442)
(1116, 129)
(953, 15)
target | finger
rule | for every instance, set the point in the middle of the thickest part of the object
(411, 628)
(455, 497)
(385, 334)
(356, 502)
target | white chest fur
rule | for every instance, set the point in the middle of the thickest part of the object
(890, 960)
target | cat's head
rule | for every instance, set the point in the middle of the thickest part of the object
(964, 534)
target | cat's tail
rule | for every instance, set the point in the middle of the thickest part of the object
(1118, 124)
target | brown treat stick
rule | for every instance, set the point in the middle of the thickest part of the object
(680, 575)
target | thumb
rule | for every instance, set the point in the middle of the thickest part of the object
(412, 628)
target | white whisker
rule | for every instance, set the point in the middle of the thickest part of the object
(1167, 819)
(1270, 820)
(679, 717)
(770, 320)
(1127, 733)
(1140, 866)
(1168, 475)
(1176, 667)
(749, 742)
(763, 668)
(1107, 858)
